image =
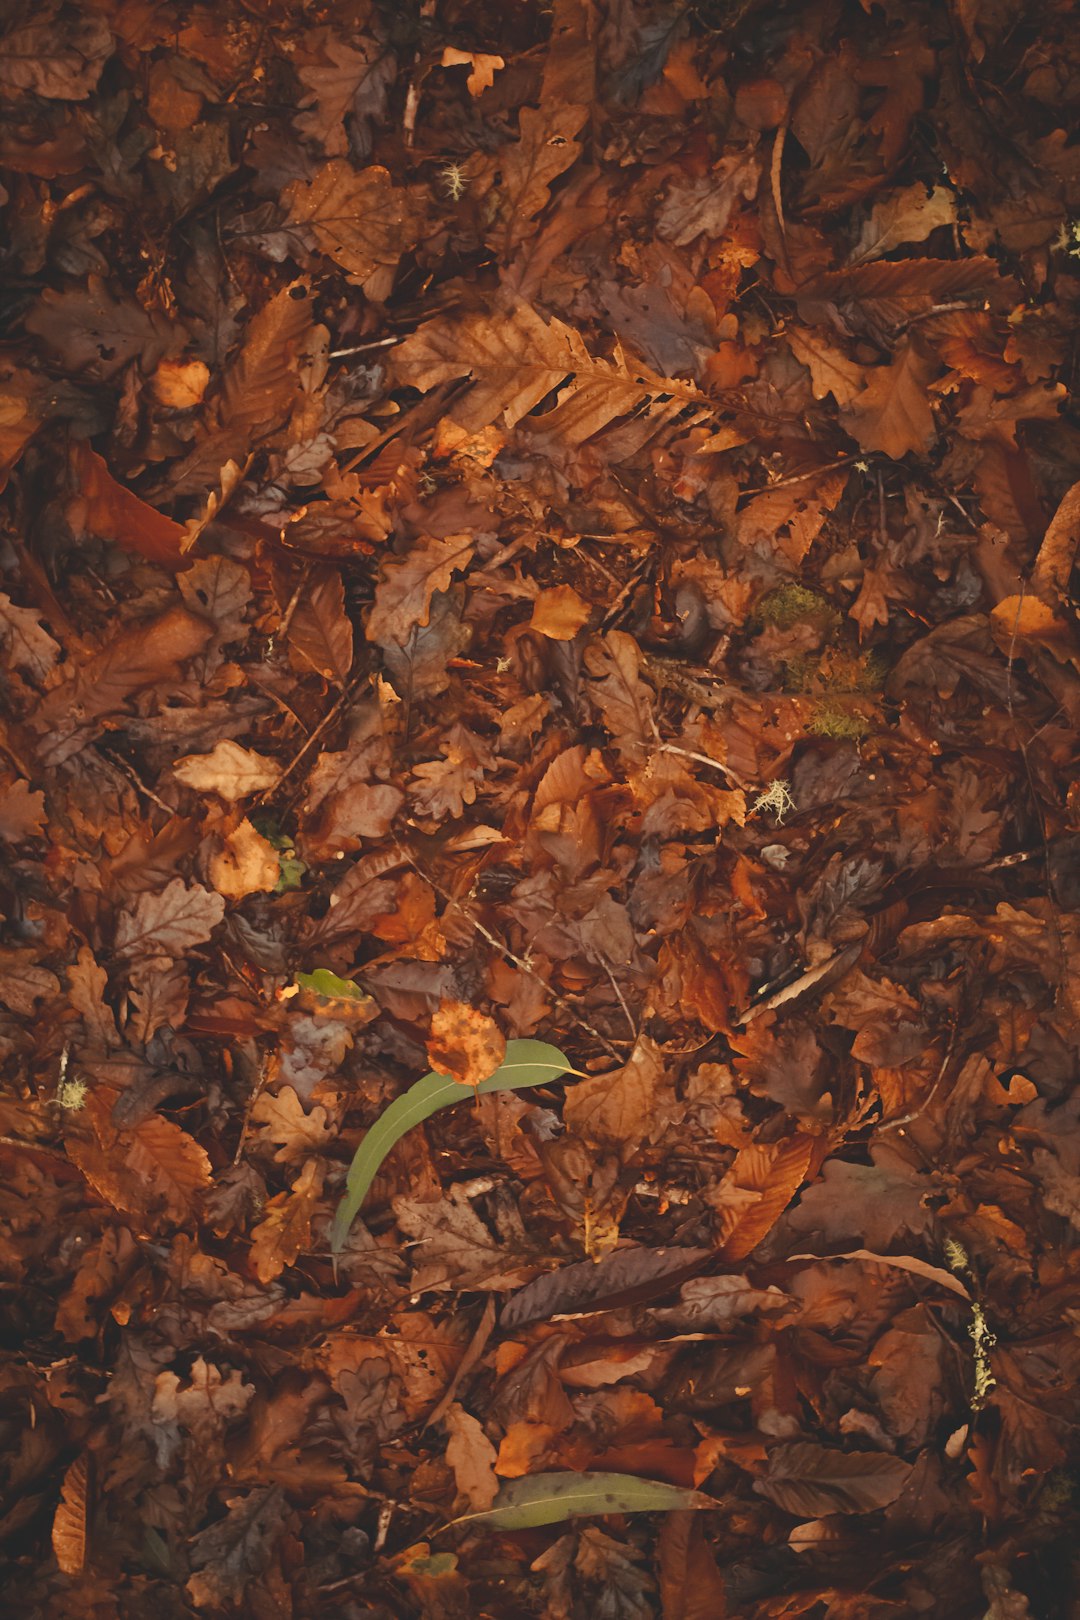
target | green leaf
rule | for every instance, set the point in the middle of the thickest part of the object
(325, 983)
(522, 1504)
(527, 1063)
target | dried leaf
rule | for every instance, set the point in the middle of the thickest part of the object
(70, 1526)
(358, 219)
(809, 1481)
(166, 925)
(247, 864)
(892, 413)
(60, 63)
(228, 770)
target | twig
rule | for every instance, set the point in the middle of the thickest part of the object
(704, 759)
(906, 1119)
(800, 478)
(504, 950)
(136, 780)
(326, 720)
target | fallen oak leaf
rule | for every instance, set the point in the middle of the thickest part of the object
(230, 771)
(536, 1499)
(527, 1063)
(107, 509)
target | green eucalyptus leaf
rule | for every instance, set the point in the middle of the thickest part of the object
(325, 983)
(527, 1063)
(522, 1504)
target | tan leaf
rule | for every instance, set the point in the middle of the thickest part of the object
(283, 1121)
(25, 643)
(516, 360)
(484, 68)
(892, 414)
(464, 1043)
(559, 613)
(356, 219)
(228, 770)
(403, 595)
(286, 1226)
(248, 864)
(907, 215)
(22, 810)
(831, 372)
(180, 384)
(619, 1109)
(472, 1456)
(69, 1529)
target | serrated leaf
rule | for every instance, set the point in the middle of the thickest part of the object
(523, 1504)
(527, 1063)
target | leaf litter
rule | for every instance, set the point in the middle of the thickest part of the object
(537, 552)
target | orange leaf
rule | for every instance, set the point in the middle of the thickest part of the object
(114, 513)
(559, 613)
(465, 1044)
(774, 1173)
(69, 1530)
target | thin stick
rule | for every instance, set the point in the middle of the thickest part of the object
(504, 950)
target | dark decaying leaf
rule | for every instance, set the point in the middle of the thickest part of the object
(625, 1277)
(811, 1481)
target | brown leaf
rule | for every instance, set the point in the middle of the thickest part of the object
(114, 513)
(320, 632)
(559, 613)
(22, 811)
(60, 62)
(623, 1108)
(357, 219)
(472, 1457)
(810, 1480)
(286, 1225)
(404, 594)
(94, 332)
(170, 923)
(893, 414)
(144, 655)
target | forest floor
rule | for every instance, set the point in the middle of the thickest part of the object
(547, 522)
